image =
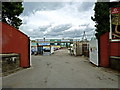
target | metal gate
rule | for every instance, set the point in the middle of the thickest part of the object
(93, 51)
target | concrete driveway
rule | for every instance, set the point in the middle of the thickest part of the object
(61, 70)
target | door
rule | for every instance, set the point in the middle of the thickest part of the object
(93, 49)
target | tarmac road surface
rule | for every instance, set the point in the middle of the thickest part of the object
(60, 70)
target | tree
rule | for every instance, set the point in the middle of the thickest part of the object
(10, 13)
(102, 16)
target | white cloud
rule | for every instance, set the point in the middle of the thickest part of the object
(59, 0)
(54, 23)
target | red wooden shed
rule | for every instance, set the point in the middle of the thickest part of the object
(110, 42)
(109, 52)
(14, 41)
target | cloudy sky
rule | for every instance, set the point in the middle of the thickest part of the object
(57, 19)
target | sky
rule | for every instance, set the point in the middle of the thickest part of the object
(57, 19)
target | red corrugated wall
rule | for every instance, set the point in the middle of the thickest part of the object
(14, 41)
(104, 50)
(108, 48)
(115, 48)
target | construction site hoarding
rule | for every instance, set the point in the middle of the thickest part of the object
(93, 49)
(77, 48)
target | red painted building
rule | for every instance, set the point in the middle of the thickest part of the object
(110, 42)
(14, 41)
(109, 52)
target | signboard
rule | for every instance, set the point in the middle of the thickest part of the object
(115, 23)
(33, 44)
(115, 10)
(42, 44)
